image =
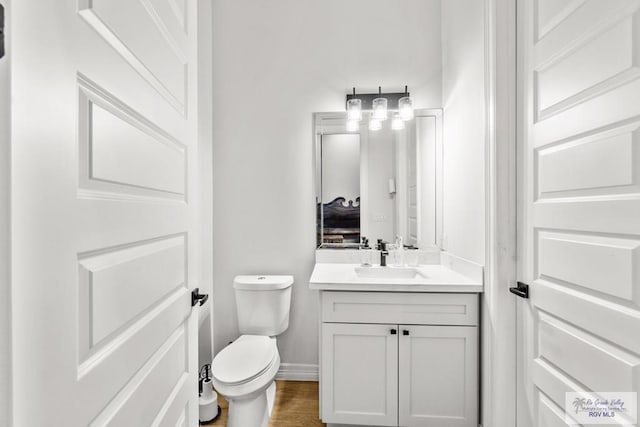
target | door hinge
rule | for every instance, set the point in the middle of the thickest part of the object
(522, 290)
(197, 297)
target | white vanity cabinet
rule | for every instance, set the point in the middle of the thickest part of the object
(359, 374)
(438, 376)
(399, 359)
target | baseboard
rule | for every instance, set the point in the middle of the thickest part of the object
(297, 372)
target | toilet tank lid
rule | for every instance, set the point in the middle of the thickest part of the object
(262, 282)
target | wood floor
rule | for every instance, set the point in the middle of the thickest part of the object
(296, 406)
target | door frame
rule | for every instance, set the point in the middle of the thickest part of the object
(498, 307)
(5, 225)
(205, 173)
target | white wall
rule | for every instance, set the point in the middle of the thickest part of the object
(275, 63)
(463, 98)
(5, 276)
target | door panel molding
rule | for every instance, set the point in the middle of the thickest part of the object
(546, 20)
(129, 153)
(606, 162)
(120, 286)
(132, 401)
(599, 263)
(175, 93)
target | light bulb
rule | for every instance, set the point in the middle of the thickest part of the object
(354, 110)
(406, 108)
(375, 124)
(380, 109)
(397, 123)
(353, 126)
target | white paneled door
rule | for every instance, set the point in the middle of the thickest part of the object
(580, 216)
(103, 157)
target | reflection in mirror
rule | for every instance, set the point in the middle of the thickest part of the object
(340, 189)
(380, 184)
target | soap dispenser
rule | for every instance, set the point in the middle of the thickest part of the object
(364, 243)
(366, 253)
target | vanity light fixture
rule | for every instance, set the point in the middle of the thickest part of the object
(375, 124)
(353, 125)
(354, 108)
(379, 105)
(380, 110)
(405, 106)
(397, 123)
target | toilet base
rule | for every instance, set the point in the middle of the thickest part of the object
(252, 412)
(271, 397)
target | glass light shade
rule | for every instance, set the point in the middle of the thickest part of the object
(397, 123)
(375, 124)
(354, 110)
(380, 109)
(405, 106)
(353, 126)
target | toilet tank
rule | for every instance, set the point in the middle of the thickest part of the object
(263, 303)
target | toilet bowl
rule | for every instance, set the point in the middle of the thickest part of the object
(245, 370)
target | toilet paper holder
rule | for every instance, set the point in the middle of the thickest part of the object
(208, 398)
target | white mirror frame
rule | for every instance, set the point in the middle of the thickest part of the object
(429, 221)
(326, 123)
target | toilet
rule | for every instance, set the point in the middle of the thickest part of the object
(245, 370)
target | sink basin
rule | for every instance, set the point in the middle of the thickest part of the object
(387, 272)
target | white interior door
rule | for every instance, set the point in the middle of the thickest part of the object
(103, 159)
(580, 188)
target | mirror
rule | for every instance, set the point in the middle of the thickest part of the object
(378, 184)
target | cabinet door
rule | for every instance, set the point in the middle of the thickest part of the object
(438, 376)
(359, 374)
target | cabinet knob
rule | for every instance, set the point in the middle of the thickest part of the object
(405, 332)
(393, 332)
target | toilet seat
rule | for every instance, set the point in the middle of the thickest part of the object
(244, 360)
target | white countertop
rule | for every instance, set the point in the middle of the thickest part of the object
(432, 278)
